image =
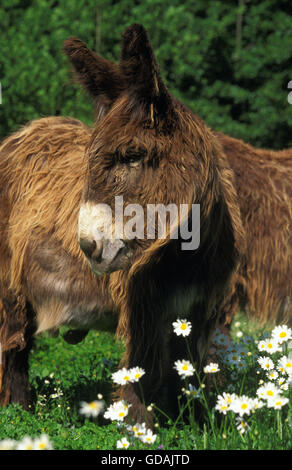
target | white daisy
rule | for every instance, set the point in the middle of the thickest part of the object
(241, 425)
(224, 401)
(184, 368)
(138, 429)
(182, 327)
(285, 365)
(211, 368)
(117, 411)
(136, 373)
(272, 375)
(270, 345)
(282, 334)
(277, 402)
(149, 437)
(266, 363)
(7, 444)
(257, 404)
(268, 391)
(94, 408)
(222, 407)
(242, 405)
(122, 376)
(25, 444)
(123, 443)
(262, 345)
(42, 443)
(281, 380)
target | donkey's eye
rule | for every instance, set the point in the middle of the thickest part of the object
(134, 159)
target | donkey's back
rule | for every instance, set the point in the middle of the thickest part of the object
(263, 180)
(45, 281)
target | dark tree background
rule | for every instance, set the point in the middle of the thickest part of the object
(229, 61)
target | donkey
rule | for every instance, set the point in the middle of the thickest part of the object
(149, 148)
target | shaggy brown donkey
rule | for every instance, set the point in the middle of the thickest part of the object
(148, 148)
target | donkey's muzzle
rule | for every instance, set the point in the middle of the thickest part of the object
(105, 256)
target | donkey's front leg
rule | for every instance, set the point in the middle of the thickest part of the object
(16, 331)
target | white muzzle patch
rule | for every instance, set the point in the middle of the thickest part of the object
(95, 222)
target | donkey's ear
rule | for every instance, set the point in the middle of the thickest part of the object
(141, 72)
(95, 74)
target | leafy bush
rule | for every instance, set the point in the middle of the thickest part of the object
(229, 63)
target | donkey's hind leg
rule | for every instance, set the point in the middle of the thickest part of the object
(16, 333)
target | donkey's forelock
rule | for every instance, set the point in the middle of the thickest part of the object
(136, 75)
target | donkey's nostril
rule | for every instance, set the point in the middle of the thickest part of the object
(87, 246)
(96, 255)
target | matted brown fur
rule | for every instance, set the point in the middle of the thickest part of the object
(263, 181)
(52, 165)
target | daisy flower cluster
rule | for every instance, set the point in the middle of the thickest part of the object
(124, 376)
(27, 443)
(274, 360)
(272, 365)
(184, 367)
(138, 431)
(241, 405)
(119, 410)
(91, 409)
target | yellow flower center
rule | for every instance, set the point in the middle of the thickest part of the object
(125, 444)
(270, 393)
(28, 447)
(121, 414)
(92, 405)
(267, 366)
(243, 406)
(184, 367)
(183, 326)
(137, 376)
(126, 377)
(278, 403)
(269, 345)
(288, 364)
(283, 334)
(223, 407)
(42, 445)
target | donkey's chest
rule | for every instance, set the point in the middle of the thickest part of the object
(64, 291)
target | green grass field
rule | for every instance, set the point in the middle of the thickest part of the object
(63, 375)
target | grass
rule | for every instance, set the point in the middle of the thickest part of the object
(63, 375)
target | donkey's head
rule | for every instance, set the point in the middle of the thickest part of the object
(146, 149)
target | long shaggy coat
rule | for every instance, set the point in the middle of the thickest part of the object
(45, 280)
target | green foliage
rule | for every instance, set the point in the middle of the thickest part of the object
(230, 64)
(62, 375)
